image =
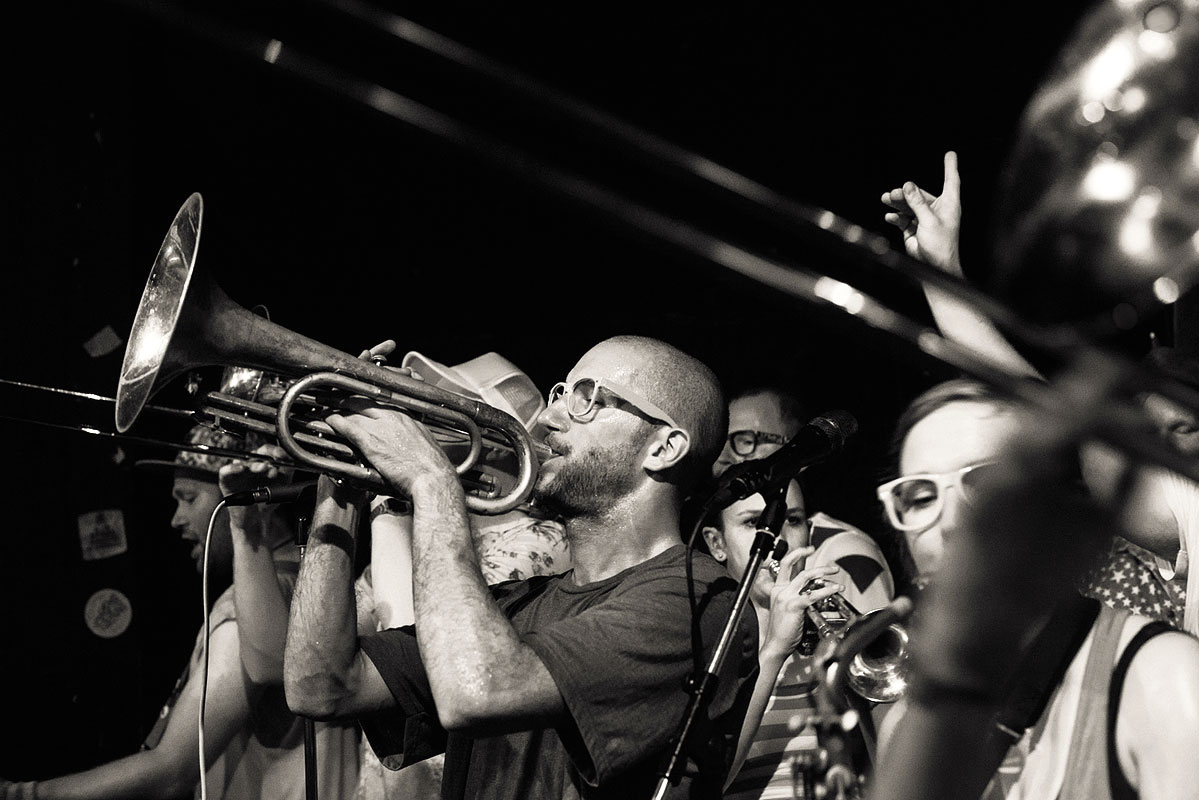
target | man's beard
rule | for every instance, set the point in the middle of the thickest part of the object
(591, 483)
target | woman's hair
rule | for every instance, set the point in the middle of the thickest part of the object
(938, 396)
(894, 546)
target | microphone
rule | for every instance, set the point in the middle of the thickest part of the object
(268, 494)
(816, 441)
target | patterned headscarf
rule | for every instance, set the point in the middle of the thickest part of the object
(210, 449)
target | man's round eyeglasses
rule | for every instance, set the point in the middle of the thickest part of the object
(583, 398)
(915, 502)
(744, 443)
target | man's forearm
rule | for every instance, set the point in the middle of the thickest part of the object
(322, 641)
(474, 658)
(145, 774)
(262, 607)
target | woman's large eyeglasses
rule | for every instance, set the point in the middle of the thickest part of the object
(915, 502)
(744, 443)
(583, 397)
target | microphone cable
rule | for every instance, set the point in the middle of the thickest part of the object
(204, 648)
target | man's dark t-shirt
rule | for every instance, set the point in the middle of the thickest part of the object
(620, 651)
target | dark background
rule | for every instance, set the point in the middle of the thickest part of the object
(353, 228)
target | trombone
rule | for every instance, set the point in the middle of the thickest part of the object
(1059, 228)
(185, 320)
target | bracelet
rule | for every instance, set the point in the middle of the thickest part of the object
(334, 536)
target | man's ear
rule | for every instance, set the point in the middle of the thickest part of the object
(667, 451)
(715, 540)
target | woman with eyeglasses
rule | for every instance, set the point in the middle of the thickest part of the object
(1145, 568)
(944, 440)
(774, 738)
(1117, 711)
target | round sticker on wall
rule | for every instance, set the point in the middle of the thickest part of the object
(108, 613)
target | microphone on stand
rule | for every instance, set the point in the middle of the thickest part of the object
(269, 494)
(816, 441)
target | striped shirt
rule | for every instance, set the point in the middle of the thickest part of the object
(773, 765)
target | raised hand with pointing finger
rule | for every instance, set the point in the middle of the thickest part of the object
(931, 224)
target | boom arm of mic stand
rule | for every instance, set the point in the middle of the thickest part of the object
(703, 686)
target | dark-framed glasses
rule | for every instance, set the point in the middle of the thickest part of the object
(583, 397)
(915, 502)
(744, 443)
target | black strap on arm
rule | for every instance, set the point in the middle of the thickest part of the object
(1040, 670)
(1119, 786)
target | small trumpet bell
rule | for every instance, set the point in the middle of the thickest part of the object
(878, 671)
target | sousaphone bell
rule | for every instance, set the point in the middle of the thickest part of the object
(186, 321)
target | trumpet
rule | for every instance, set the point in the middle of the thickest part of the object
(878, 670)
(185, 321)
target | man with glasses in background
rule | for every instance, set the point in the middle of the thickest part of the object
(570, 685)
(763, 418)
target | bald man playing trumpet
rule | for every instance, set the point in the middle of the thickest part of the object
(562, 686)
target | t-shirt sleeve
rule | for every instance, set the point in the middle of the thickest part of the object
(411, 732)
(621, 665)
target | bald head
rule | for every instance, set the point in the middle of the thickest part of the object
(682, 386)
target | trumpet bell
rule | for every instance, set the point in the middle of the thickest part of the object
(879, 672)
(878, 668)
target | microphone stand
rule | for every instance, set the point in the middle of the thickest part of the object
(703, 686)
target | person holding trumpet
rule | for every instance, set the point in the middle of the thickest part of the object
(556, 686)
(762, 418)
(516, 545)
(770, 744)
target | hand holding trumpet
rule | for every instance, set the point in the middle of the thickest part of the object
(247, 475)
(790, 599)
(401, 449)
(396, 445)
